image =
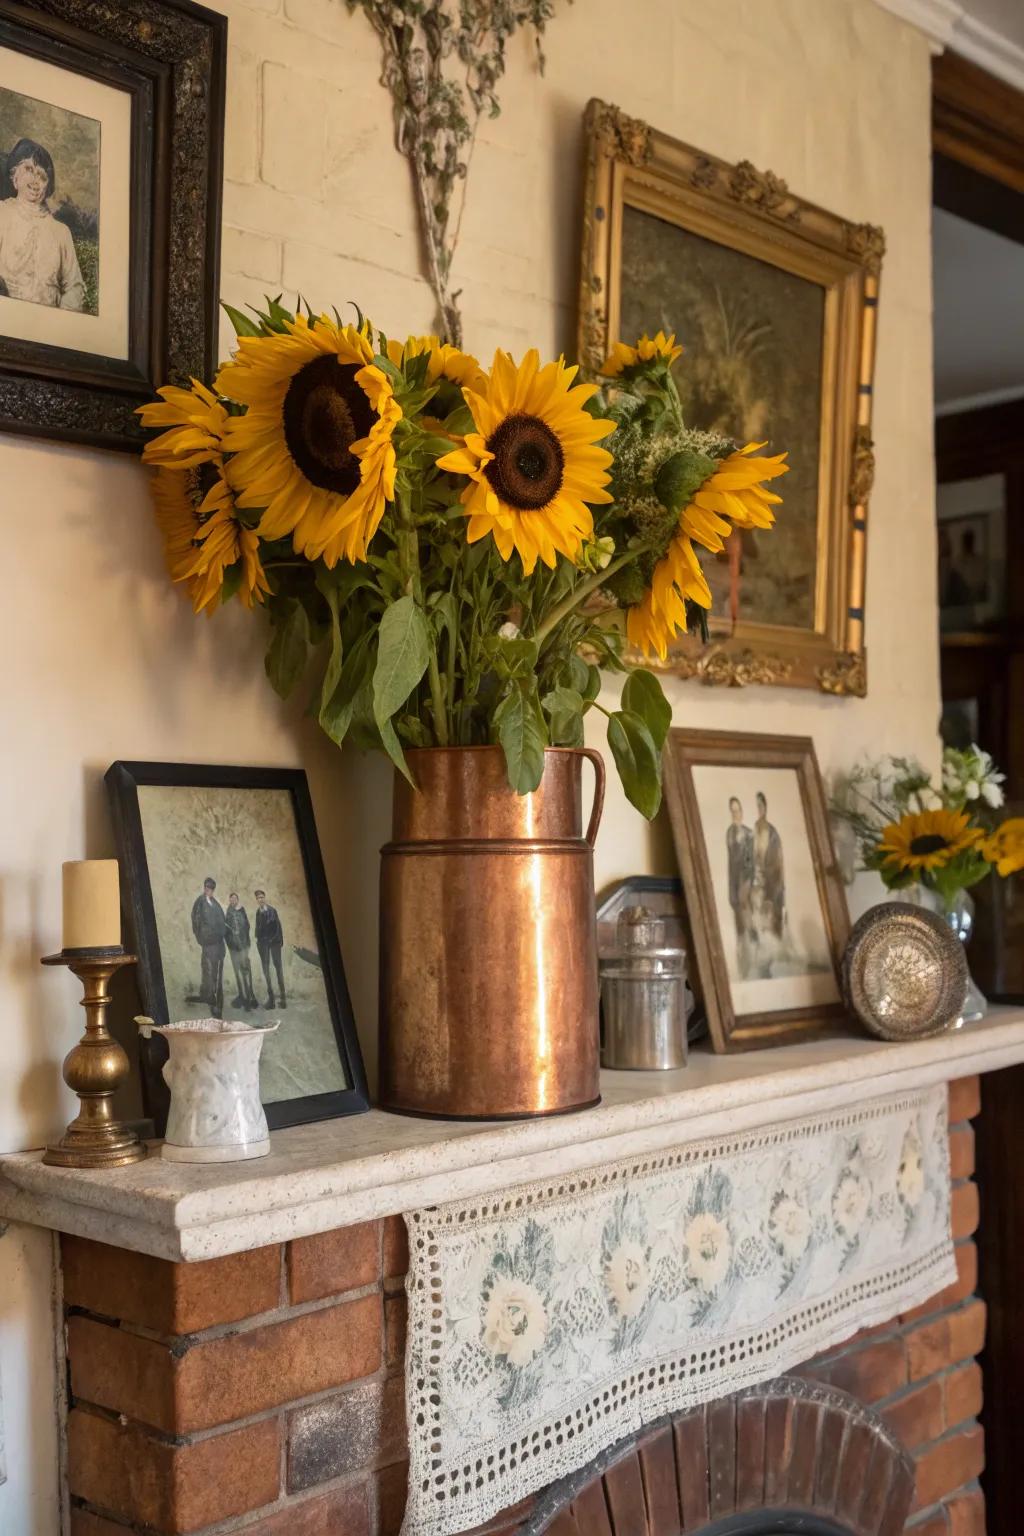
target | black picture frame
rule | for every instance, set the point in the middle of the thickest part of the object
(171, 57)
(123, 780)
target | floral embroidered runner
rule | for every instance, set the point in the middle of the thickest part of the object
(550, 1321)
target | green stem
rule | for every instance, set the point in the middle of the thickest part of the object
(579, 594)
(408, 546)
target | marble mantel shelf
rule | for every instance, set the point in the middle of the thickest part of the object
(337, 1172)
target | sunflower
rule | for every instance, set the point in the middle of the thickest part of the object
(734, 496)
(655, 621)
(533, 462)
(195, 421)
(734, 491)
(446, 362)
(622, 357)
(923, 840)
(314, 448)
(203, 538)
(1005, 846)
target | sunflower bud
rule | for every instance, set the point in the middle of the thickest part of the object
(627, 586)
(681, 476)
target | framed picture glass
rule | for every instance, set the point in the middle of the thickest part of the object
(775, 303)
(111, 143)
(230, 915)
(766, 909)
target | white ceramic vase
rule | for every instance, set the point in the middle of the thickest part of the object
(213, 1072)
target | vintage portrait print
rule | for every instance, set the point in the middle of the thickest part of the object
(751, 370)
(235, 926)
(774, 937)
(64, 207)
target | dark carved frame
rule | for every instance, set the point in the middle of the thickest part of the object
(139, 915)
(170, 55)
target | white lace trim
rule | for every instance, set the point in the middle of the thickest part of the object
(549, 1322)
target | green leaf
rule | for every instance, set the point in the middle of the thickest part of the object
(637, 760)
(460, 422)
(564, 709)
(519, 722)
(288, 651)
(337, 706)
(511, 657)
(642, 695)
(232, 582)
(403, 651)
(332, 676)
(242, 324)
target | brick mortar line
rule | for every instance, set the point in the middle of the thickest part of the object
(278, 1410)
(895, 1398)
(898, 1331)
(180, 1343)
(232, 1523)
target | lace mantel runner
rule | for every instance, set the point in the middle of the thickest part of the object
(550, 1321)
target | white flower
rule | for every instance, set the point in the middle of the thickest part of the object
(850, 1204)
(910, 1179)
(627, 1278)
(515, 1323)
(931, 800)
(972, 789)
(789, 1227)
(992, 794)
(708, 1250)
(510, 631)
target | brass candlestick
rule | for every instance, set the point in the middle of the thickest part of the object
(94, 1069)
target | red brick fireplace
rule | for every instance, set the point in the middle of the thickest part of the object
(262, 1393)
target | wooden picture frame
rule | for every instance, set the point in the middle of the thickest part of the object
(161, 67)
(633, 167)
(124, 781)
(705, 767)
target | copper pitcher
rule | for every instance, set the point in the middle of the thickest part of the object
(488, 948)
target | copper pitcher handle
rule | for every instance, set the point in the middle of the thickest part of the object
(599, 783)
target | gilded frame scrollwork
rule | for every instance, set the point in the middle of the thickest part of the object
(628, 163)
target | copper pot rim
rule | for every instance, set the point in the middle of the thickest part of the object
(490, 747)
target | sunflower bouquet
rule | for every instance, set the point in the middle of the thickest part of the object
(945, 838)
(451, 556)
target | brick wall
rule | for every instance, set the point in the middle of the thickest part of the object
(263, 1392)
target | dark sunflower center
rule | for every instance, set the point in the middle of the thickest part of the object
(528, 464)
(325, 412)
(929, 842)
(199, 481)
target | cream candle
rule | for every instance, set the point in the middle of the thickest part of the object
(92, 904)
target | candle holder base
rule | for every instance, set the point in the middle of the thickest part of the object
(94, 1069)
(85, 1149)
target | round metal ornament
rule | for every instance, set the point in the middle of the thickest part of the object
(904, 973)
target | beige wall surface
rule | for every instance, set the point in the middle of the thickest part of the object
(103, 659)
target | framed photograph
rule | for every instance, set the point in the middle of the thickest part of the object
(766, 909)
(111, 145)
(775, 302)
(229, 913)
(972, 553)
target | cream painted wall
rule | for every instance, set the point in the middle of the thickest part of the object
(104, 660)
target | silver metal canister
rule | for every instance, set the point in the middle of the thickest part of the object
(644, 994)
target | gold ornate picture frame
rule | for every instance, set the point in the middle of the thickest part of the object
(632, 169)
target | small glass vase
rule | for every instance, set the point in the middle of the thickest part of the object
(960, 917)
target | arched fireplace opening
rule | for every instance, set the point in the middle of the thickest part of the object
(785, 1458)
